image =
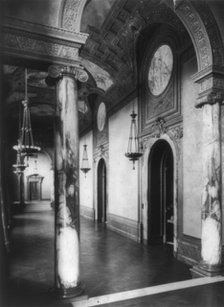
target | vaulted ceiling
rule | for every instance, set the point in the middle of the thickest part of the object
(118, 32)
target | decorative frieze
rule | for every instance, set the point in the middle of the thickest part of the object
(39, 48)
(212, 29)
(193, 22)
(44, 30)
(38, 42)
(71, 14)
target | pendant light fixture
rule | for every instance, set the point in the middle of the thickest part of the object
(20, 166)
(85, 161)
(26, 144)
(133, 153)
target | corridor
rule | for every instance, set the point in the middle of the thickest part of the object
(110, 263)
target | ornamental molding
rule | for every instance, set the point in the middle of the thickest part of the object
(71, 14)
(101, 151)
(212, 31)
(38, 47)
(211, 98)
(210, 86)
(77, 72)
(193, 22)
(158, 127)
(174, 134)
(45, 30)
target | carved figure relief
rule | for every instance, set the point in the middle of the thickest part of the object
(101, 116)
(160, 70)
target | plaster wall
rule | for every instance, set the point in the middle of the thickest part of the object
(44, 169)
(41, 11)
(86, 183)
(123, 180)
(192, 152)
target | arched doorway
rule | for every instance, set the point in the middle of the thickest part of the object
(101, 192)
(160, 195)
(34, 188)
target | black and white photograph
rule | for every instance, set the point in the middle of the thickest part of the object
(111, 153)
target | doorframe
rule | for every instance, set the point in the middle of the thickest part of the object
(149, 142)
(105, 210)
(34, 178)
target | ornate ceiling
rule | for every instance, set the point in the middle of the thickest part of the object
(109, 40)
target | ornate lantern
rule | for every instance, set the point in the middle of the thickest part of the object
(25, 143)
(85, 161)
(133, 153)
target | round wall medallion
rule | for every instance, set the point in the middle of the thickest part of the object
(101, 116)
(160, 70)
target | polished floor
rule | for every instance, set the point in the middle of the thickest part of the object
(110, 264)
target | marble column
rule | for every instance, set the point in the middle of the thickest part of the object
(211, 231)
(211, 239)
(67, 273)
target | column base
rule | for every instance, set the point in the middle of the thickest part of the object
(203, 269)
(64, 293)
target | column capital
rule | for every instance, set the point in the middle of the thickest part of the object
(210, 84)
(77, 72)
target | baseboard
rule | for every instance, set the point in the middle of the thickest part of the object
(189, 250)
(124, 226)
(87, 212)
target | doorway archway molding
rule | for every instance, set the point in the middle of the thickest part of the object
(96, 162)
(149, 142)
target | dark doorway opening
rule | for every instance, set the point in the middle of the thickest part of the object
(101, 192)
(160, 194)
(35, 187)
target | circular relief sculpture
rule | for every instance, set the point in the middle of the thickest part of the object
(160, 70)
(101, 116)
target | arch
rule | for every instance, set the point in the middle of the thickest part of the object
(197, 31)
(161, 193)
(203, 31)
(34, 186)
(70, 14)
(199, 23)
(149, 142)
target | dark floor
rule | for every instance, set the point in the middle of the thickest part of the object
(203, 296)
(109, 263)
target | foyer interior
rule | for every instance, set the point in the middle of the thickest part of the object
(110, 264)
(115, 196)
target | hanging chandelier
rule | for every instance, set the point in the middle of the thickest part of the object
(20, 166)
(133, 153)
(25, 143)
(85, 161)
